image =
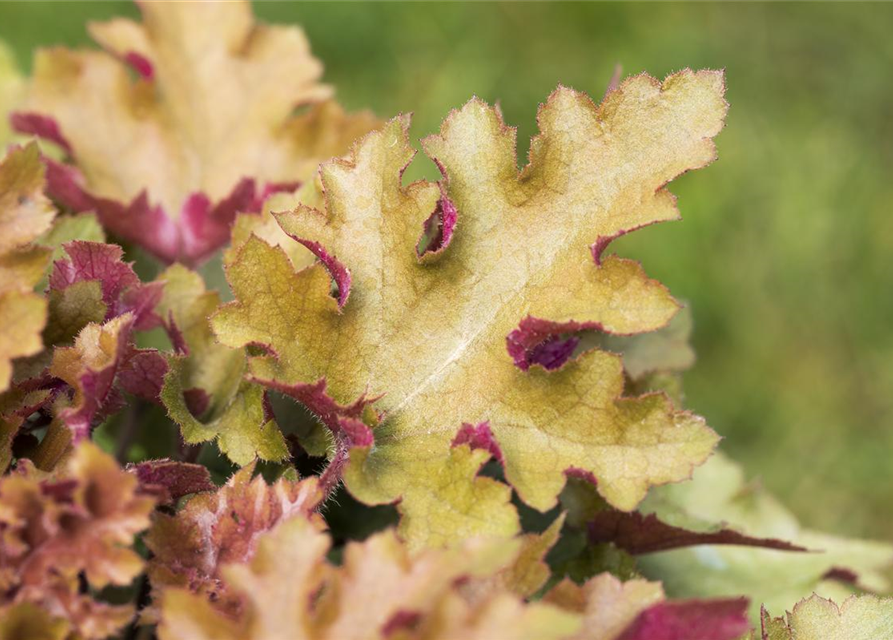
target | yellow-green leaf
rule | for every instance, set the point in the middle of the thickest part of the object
(665, 350)
(228, 410)
(816, 618)
(213, 368)
(83, 226)
(453, 503)
(719, 492)
(72, 309)
(242, 429)
(265, 227)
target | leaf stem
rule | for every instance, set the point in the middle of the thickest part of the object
(331, 476)
(128, 431)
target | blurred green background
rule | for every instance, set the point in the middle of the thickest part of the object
(786, 249)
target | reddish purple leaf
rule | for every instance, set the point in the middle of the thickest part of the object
(197, 401)
(438, 229)
(97, 394)
(41, 126)
(842, 574)
(201, 228)
(330, 413)
(339, 273)
(691, 620)
(639, 534)
(142, 373)
(122, 291)
(344, 422)
(479, 437)
(401, 621)
(140, 64)
(170, 480)
(94, 261)
(178, 340)
(545, 343)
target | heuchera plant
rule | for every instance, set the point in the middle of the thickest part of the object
(466, 350)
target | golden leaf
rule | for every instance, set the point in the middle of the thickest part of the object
(430, 334)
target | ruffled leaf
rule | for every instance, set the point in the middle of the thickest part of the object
(102, 363)
(122, 291)
(664, 350)
(96, 303)
(691, 620)
(212, 368)
(26, 621)
(430, 334)
(22, 316)
(528, 572)
(202, 390)
(25, 213)
(221, 528)
(243, 428)
(608, 605)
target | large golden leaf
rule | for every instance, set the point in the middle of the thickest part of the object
(430, 332)
(206, 130)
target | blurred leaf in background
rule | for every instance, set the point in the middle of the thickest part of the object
(12, 85)
(785, 248)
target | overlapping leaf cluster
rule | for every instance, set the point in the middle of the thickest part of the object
(464, 349)
(62, 531)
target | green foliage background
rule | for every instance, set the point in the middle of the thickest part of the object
(786, 248)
